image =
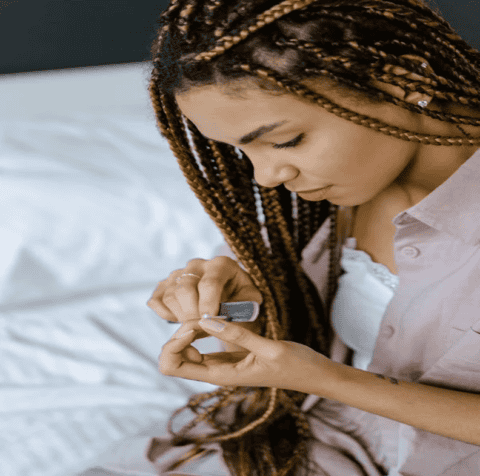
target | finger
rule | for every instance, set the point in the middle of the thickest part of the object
(182, 297)
(188, 325)
(216, 369)
(162, 311)
(158, 306)
(167, 283)
(186, 296)
(171, 358)
(180, 359)
(177, 302)
(214, 287)
(224, 280)
(191, 353)
(163, 300)
(230, 332)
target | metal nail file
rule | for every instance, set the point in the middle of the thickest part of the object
(242, 311)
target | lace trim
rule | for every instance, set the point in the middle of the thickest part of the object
(379, 270)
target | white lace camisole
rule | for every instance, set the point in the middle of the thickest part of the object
(363, 294)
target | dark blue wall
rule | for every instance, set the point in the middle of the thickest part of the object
(52, 34)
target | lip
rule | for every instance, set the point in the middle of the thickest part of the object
(314, 191)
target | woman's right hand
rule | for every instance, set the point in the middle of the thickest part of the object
(221, 280)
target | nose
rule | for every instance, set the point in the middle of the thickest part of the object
(271, 176)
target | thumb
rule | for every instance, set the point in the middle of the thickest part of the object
(230, 332)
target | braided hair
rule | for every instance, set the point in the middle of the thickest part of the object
(205, 42)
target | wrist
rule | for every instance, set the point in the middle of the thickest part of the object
(330, 385)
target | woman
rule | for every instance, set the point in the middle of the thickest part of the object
(369, 287)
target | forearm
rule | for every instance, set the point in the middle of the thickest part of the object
(449, 413)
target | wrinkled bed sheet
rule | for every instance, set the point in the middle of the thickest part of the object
(95, 211)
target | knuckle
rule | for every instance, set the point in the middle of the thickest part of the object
(158, 306)
(209, 281)
(174, 273)
(163, 370)
(165, 312)
(225, 263)
(183, 290)
(156, 300)
(223, 260)
(194, 262)
(159, 290)
(169, 298)
(162, 367)
(221, 266)
(152, 302)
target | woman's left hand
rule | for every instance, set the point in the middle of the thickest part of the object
(264, 363)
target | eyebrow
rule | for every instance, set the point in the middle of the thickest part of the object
(250, 137)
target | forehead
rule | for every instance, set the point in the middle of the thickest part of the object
(225, 117)
(205, 98)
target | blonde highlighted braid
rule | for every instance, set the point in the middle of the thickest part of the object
(223, 42)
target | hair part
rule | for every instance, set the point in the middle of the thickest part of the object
(277, 47)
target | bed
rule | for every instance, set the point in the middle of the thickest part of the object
(95, 211)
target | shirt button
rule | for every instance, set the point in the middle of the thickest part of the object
(389, 331)
(410, 252)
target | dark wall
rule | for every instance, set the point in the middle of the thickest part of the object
(52, 34)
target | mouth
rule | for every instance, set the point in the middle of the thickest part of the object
(320, 191)
(311, 191)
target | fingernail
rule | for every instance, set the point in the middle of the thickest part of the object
(212, 324)
(184, 334)
(209, 316)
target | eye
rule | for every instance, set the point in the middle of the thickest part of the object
(293, 143)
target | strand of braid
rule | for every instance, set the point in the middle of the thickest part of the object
(202, 42)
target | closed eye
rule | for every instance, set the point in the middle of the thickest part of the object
(293, 143)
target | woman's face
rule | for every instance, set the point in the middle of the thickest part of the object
(312, 148)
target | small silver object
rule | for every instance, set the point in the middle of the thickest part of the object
(423, 103)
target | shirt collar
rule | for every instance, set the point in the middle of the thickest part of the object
(454, 206)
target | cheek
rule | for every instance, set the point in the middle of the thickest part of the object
(341, 149)
(331, 157)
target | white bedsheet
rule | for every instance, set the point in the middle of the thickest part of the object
(94, 212)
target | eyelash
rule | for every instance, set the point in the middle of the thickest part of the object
(293, 143)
